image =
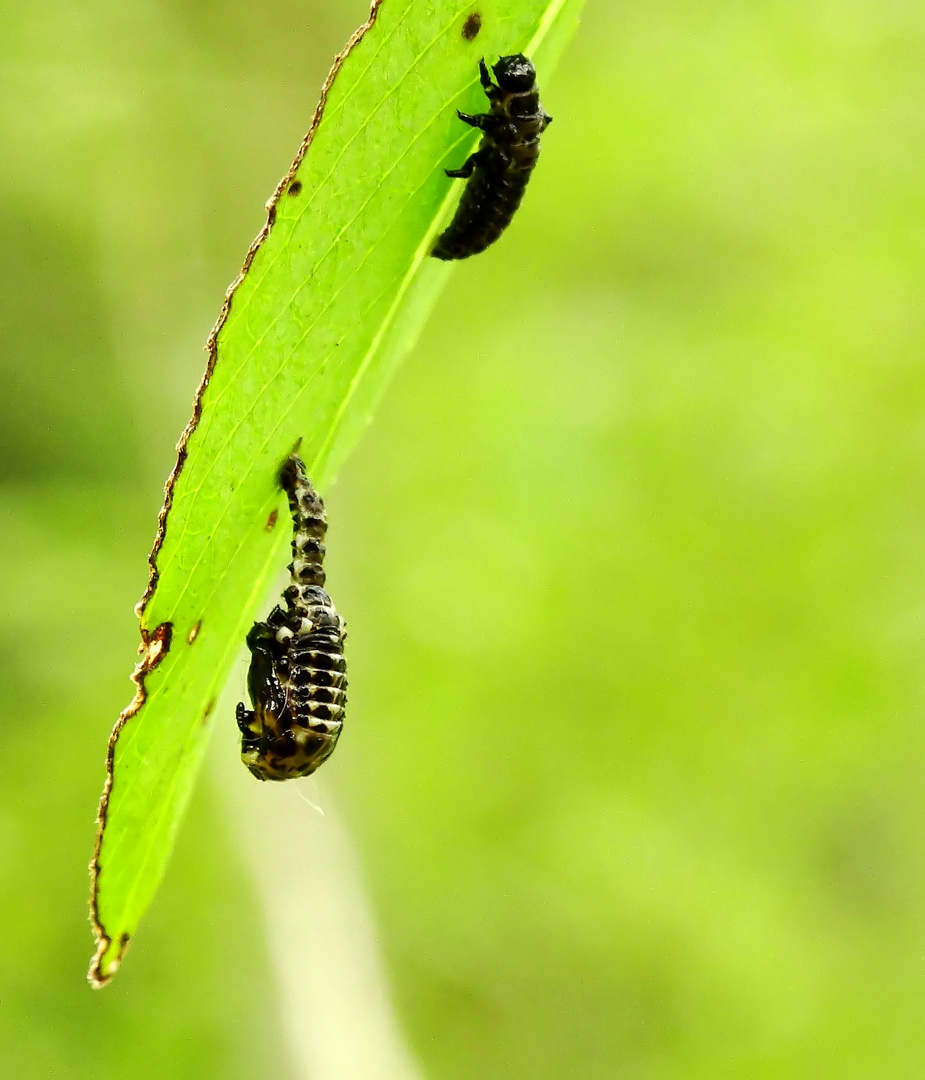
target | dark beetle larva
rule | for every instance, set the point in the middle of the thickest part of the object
(499, 170)
(297, 679)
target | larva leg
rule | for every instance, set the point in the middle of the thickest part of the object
(245, 718)
(276, 618)
(466, 170)
(483, 121)
(485, 79)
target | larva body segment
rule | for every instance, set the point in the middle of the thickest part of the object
(297, 679)
(498, 172)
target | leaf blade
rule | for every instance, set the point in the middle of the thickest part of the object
(332, 294)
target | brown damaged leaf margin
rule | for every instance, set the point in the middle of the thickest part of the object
(154, 646)
(212, 343)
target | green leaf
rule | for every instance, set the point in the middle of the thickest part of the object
(333, 293)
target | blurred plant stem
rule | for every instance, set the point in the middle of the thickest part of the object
(336, 1013)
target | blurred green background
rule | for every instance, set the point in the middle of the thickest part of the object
(635, 587)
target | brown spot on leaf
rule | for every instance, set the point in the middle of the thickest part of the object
(209, 709)
(194, 633)
(272, 520)
(471, 26)
(295, 188)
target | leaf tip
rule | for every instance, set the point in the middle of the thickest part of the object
(106, 959)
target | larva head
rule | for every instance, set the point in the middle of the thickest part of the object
(515, 73)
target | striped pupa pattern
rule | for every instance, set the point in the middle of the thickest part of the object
(297, 679)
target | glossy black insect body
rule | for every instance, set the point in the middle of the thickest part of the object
(499, 170)
(297, 679)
